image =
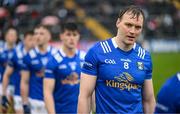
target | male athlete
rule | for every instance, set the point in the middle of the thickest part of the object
(119, 70)
(62, 75)
(14, 67)
(32, 73)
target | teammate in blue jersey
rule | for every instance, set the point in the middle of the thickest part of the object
(168, 98)
(6, 52)
(14, 67)
(62, 74)
(119, 70)
(33, 71)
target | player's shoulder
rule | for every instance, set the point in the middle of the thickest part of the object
(2, 46)
(57, 56)
(102, 47)
(53, 50)
(141, 52)
(32, 53)
(82, 54)
(173, 80)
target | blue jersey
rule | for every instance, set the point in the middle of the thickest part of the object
(168, 98)
(35, 63)
(5, 55)
(66, 73)
(120, 76)
(15, 62)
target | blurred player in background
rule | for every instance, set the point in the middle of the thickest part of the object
(119, 70)
(33, 72)
(168, 98)
(6, 52)
(62, 75)
(14, 67)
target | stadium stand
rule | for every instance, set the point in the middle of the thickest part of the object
(162, 15)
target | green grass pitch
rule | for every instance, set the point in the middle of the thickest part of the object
(164, 66)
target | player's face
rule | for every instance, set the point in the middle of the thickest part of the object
(129, 28)
(11, 36)
(70, 39)
(29, 41)
(42, 36)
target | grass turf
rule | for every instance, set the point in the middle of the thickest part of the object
(164, 66)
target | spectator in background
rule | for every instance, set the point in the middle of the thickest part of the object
(119, 70)
(168, 98)
(62, 74)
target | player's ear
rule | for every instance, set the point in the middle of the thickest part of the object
(117, 22)
(61, 36)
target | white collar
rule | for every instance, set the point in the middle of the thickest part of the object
(64, 54)
(116, 46)
(37, 49)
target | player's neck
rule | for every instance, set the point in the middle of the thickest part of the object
(69, 52)
(10, 45)
(43, 48)
(122, 45)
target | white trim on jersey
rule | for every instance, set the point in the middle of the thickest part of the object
(114, 43)
(116, 46)
(32, 53)
(62, 52)
(108, 46)
(105, 46)
(178, 76)
(141, 53)
(58, 57)
(134, 46)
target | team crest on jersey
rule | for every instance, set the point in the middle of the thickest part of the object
(44, 61)
(140, 65)
(72, 65)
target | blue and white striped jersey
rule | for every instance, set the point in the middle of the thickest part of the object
(5, 55)
(120, 76)
(35, 63)
(168, 98)
(66, 73)
(16, 62)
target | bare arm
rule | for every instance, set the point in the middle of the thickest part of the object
(93, 102)
(48, 86)
(148, 97)
(87, 85)
(24, 86)
(9, 70)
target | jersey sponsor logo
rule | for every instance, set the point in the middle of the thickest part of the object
(72, 79)
(40, 73)
(124, 81)
(110, 61)
(126, 60)
(140, 65)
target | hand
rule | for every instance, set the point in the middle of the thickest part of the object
(26, 109)
(5, 103)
